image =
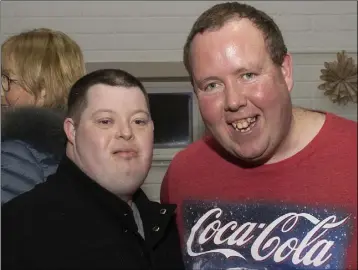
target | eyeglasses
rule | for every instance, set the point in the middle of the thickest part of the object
(5, 82)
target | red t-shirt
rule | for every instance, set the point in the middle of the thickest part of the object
(300, 213)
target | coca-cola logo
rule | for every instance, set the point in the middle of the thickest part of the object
(312, 249)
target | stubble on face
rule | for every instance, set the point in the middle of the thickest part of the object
(114, 138)
(227, 58)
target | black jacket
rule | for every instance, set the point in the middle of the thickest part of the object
(70, 222)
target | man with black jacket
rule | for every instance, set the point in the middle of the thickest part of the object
(92, 214)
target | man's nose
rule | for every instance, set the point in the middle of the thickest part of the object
(124, 131)
(234, 97)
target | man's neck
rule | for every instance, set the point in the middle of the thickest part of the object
(129, 201)
(71, 155)
(305, 125)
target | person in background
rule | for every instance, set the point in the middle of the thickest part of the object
(38, 67)
(92, 214)
(272, 186)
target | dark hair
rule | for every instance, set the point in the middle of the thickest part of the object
(77, 100)
(215, 17)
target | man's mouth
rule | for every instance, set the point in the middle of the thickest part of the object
(244, 125)
(126, 153)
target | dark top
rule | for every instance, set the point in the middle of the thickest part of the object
(71, 222)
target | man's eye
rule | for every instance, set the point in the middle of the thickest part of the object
(249, 76)
(105, 122)
(140, 122)
(210, 86)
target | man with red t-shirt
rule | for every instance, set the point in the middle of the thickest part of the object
(271, 186)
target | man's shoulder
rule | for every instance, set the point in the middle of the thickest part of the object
(334, 127)
(342, 120)
(340, 126)
(337, 140)
(39, 199)
(190, 153)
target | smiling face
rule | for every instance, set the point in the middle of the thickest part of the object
(243, 96)
(113, 141)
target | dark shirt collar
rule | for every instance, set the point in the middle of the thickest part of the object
(67, 169)
(153, 214)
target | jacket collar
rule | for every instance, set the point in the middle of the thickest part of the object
(155, 216)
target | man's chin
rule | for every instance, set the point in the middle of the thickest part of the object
(132, 182)
(250, 157)
(126, 192)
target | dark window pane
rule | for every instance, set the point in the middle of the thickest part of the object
(172, 116)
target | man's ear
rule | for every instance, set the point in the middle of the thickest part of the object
(41, 98)
(70, 130)
(287, 71)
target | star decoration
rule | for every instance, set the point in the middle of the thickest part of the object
(340, 80)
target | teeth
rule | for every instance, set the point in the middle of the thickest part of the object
(243, 125)
(251, 119)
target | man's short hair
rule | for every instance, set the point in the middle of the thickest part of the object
(77, 100)
(217, 16)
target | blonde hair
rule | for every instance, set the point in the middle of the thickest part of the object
(44, 59)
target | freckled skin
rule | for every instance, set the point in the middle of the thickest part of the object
(234, 78)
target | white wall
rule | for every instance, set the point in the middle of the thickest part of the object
(155, 31)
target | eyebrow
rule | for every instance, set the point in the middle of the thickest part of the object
(141, 111)
(213, 78)
(113, 112)
(102, 111)
(210, 78)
